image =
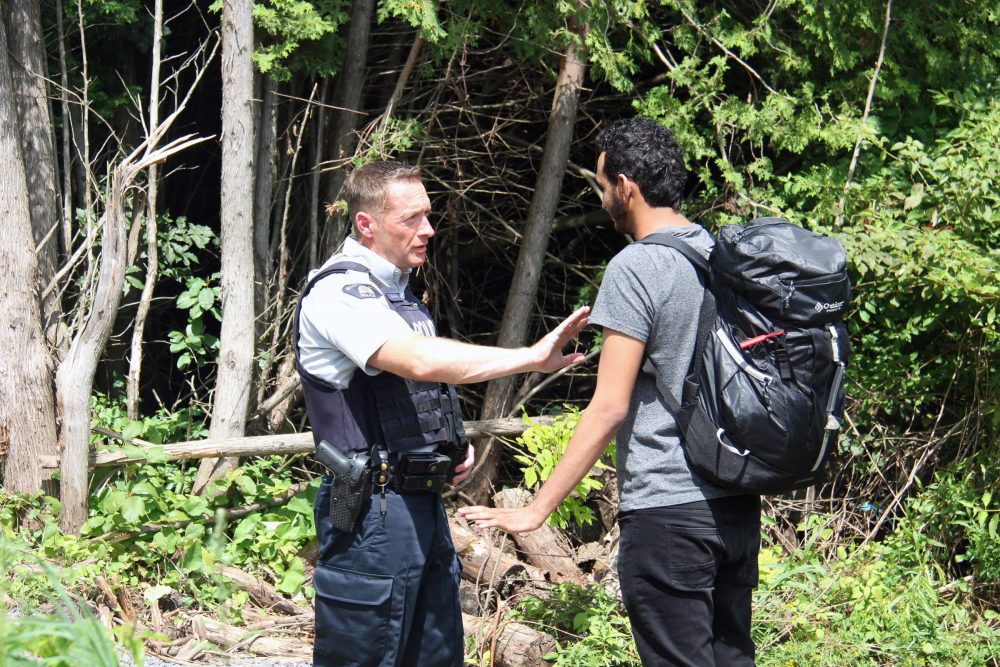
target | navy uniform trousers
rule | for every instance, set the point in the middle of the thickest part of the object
(387, 592)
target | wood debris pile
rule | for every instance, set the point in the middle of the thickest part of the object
(498, 571)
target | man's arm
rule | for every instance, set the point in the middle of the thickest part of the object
(616, 375)
(436, 359)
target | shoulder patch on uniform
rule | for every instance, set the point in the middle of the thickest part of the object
(362, 291)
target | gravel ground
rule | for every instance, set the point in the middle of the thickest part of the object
(153, 661)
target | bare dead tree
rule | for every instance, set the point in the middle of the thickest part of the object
(152, 255)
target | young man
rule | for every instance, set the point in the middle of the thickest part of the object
(688, 550)
(376, 382)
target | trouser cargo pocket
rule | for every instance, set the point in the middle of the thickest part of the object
(352, 617)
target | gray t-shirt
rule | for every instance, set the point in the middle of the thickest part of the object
(640, 282)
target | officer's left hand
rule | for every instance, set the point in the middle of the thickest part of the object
(464, 469)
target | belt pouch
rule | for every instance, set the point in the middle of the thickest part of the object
(422, 471)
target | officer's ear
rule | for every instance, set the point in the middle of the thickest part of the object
(363, 224)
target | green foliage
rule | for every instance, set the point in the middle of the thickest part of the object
(589, 624)
(540, 448)
(146, 530)
(162, 426)
(192, 534)
(922, 240)
(394, 137)
(178, 241)
(421, 14)
(769, 107)
(912, 599)
(66, 634)
(883, 604)
(298, 35)
(870, 611)
(195, 345)
(178, 244)
(953, 526)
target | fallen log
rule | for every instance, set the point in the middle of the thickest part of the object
(263, 593)
(229, 637)
(510, 644)
(487, 565)
(261, 445)
(546, 548)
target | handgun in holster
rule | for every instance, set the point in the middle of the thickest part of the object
(350, 486)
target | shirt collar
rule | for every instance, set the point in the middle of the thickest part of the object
(384, 270)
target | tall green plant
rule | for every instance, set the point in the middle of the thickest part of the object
(66, 634)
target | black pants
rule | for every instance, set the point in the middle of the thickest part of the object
(687, 575)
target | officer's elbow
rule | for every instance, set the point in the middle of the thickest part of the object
(423, 370)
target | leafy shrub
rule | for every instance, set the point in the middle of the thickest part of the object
(541, 446)
(953, 525)
(66, 634)
(590, 626)
(882, 604)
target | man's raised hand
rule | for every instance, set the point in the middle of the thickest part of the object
(549, 347)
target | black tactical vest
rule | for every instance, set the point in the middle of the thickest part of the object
(387, 410)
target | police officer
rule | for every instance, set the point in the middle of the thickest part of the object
(378, 389)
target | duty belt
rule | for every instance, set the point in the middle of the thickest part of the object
(410, 471)
(363, 473)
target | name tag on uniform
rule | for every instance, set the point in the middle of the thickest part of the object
(361, 291)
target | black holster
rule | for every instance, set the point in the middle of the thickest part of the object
(349, 486)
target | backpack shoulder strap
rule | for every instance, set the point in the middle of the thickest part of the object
(683, 248)
(706, 319)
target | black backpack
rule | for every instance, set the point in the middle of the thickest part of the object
(762, 401)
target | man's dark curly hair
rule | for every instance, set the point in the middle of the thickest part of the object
(646, 153)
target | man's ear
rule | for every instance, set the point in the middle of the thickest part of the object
(626, 188)
(364, 223)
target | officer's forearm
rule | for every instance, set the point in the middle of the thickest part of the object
(438, 359)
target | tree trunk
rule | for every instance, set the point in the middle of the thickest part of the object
(524, 288)
(28, 75)
(271, 445)
(27, 424)
(236, 342)
(347, 95)
(509, 644)
(263, 192)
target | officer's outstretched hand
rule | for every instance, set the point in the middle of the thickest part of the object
(549, 348)
(520, 520)
(464, 469)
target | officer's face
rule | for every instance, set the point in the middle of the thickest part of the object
(401, 232)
